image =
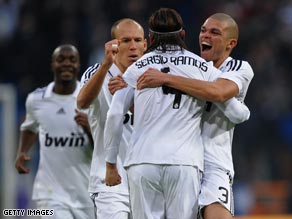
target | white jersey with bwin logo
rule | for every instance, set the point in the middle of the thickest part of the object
(65, 152)
(167, 122)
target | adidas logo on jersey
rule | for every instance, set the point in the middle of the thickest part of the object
(61, 111)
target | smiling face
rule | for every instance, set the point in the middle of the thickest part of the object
(132, 43)
(65, 64)
(217, 39)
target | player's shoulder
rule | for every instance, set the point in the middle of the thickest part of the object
(199, 62)
(36, 95)
(232, 64)
(90, 71)
(193, 55)
(237, 65)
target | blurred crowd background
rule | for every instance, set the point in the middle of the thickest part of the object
(262, 149)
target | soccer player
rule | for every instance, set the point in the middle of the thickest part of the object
(165, 155)
(127, 45)
(218, 37)
(62, 177)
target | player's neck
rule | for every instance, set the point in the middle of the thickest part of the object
(219, 62)
(120, 66)
(64, 88)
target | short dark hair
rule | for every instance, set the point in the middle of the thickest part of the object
(64, 47)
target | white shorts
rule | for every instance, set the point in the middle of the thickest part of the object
(164, 191)
(110, 205)
(64, 211)
(217, 187)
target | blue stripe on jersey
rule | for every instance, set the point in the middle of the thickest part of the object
(90, 71)
(234, 65)
(110, 73)
(239, 65)
(229, 63)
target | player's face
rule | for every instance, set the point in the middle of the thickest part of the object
(132, 44)
(66, 65)
(214, 41)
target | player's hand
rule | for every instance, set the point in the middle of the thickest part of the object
(151, 78)
(82, 120)
(19, 163)
(116, 83)
(112, 177)
(111, 48)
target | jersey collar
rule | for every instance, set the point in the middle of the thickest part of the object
(114, 70)
(225, 62)
(49, 90)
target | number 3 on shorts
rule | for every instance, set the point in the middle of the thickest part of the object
(225, 195)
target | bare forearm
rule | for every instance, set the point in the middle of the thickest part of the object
(27, 139)
(205, 90)
(92, 88)
(217, 91)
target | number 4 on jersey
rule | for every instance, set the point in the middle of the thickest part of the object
(169, 90)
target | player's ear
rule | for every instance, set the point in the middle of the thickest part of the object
(183, 34)
(232, 43)
(145, 45)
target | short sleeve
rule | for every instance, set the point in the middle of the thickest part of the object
(30, 122)
(241, 76)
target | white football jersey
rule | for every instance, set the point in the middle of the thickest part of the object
(167, 122)
(97, 116)
(217, 129)
(65, 153)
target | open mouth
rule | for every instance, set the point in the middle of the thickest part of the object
(67, 70)
(66, 73)
(205, 46)
(133, 57)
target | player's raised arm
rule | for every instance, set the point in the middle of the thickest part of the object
(92, 87)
